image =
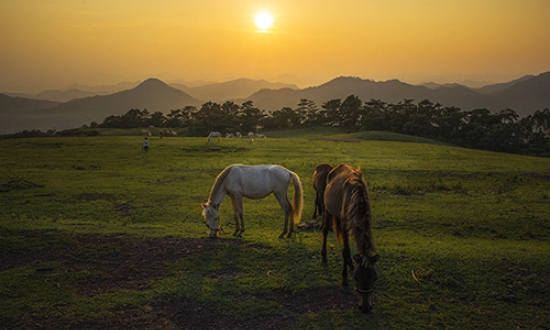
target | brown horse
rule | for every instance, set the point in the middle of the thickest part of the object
(347, 205)
(319, 181)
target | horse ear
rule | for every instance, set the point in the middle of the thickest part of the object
(375, 258)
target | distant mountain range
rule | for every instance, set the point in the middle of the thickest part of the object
(80, 105)
(524, 95)
(230, 90)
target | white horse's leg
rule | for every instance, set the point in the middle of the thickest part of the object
(288, 229)
(236, 216)
(241, 215)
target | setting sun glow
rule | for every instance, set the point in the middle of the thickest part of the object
(54, 44)
(263, 20)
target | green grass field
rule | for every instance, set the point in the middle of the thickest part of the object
(463, 235)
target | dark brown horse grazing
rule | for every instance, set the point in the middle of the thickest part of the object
(319, 181)
(347, 204)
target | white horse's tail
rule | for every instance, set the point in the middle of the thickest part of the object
(298, 198)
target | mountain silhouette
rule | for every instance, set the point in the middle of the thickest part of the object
(527, 95)
(492, 88)
(392, 91)
(152, 94)
(230, 90)
(524, 95)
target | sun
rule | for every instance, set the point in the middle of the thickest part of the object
(263, 20)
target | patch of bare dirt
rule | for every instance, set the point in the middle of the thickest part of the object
(122, 262)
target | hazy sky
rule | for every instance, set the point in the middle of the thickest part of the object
(48, 44)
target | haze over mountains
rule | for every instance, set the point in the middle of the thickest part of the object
(80, 105)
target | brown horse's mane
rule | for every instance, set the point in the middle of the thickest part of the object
(356, 213)
(359, 214)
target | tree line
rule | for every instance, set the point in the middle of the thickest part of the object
(479, 128)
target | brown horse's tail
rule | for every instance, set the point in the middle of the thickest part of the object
(298, 199)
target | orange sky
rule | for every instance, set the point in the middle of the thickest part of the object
(49, 44)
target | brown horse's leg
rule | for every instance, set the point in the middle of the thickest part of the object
(317, 208)
(346, 254)
(326, 218)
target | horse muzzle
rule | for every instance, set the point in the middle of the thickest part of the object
(213, 233)
(365, 308)
(366, 303)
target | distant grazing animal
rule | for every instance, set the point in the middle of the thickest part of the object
(260, 136)
(347, 205)
(238, 135)
(145, 132)
(319, 181)
(214, 135)
(229, 135)
(238, 181)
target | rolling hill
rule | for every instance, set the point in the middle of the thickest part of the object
(230, 90)
(152, 94)
(524, 95)
(16, 113)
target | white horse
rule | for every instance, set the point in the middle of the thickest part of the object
(254, 182)
(213, 135)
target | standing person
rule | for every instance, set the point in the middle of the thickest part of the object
(145, 145)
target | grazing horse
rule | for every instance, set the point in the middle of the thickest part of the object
(214, 135)
(347, 205)
(319, 181)
(254, 182)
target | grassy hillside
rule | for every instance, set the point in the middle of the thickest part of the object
(94, 233)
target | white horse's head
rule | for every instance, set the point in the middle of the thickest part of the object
(210, 212)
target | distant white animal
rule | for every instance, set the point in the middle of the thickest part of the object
(238, 135)
(260, 136)
(229, 135)
(214, 135)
